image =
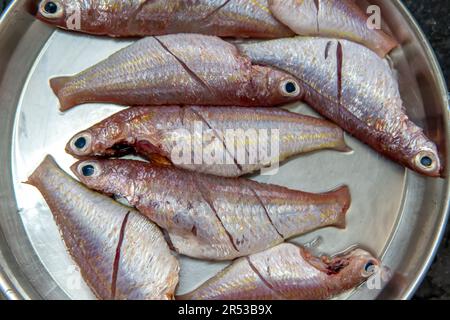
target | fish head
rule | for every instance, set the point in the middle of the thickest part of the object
(424, 157)
(106, 176)
(57, 12)
(115, 136)
(354, 266)
(100, 141)
(276, 87)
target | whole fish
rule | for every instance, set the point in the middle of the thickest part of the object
(287, 272)
(240, 134)
(120, 253)
(355, 88)
(332, 18)
(214, 218)
(118, 18)
(187, 69)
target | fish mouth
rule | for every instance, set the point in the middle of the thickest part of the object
(119, 149)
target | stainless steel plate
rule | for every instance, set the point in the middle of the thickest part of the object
(395, 213)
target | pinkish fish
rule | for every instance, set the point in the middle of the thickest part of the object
(119, 18)
(120, 253)
(214, 218)
(355, 88)
(287, 272)
(188, 69)
(164, 131)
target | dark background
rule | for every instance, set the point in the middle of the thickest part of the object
(433, 16)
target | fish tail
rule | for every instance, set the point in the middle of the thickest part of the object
(41, 171)
(57, 84)
(342, 146)
(386, 44)
(343, 198)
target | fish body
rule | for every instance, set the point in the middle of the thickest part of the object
(214, 218)
(287, 272)
(118, 18)
(334, 19)
(188, 69)
(356, 89)
(120, 253)
(166, 130)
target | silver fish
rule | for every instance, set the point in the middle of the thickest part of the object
(120, 253)
(188, 69)
(352, 86)
(241, 137)
(214, 218)
(287, 272)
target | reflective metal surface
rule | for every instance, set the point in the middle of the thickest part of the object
(395, 213)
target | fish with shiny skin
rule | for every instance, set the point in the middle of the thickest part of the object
(120, 253)
(334, 19)
(355, 88)
(131, 18)
(188, 69)
(150, 131)
(214, 218)
(288, 272)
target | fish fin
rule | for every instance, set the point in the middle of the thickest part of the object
(160, 160)
(387, 44)
(35, 177)
(343, 197)
(57, 84)
(342, 147)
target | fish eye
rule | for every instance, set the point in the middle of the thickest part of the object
(81, 143)
(426, 161)
(88, 170)
(51, 9)
(290, 88)
(369, 267)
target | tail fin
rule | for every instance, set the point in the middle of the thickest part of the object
(342, 146)
(343, 198)
(41, 171)
(57, 84)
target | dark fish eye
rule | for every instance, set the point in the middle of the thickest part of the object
(290, 87)
(369, 266)
(51, 7)
(80, 143)
(426, 161)
(88, 170)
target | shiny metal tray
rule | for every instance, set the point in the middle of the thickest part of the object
(397, 214)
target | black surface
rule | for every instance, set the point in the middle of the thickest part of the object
(433, 16)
